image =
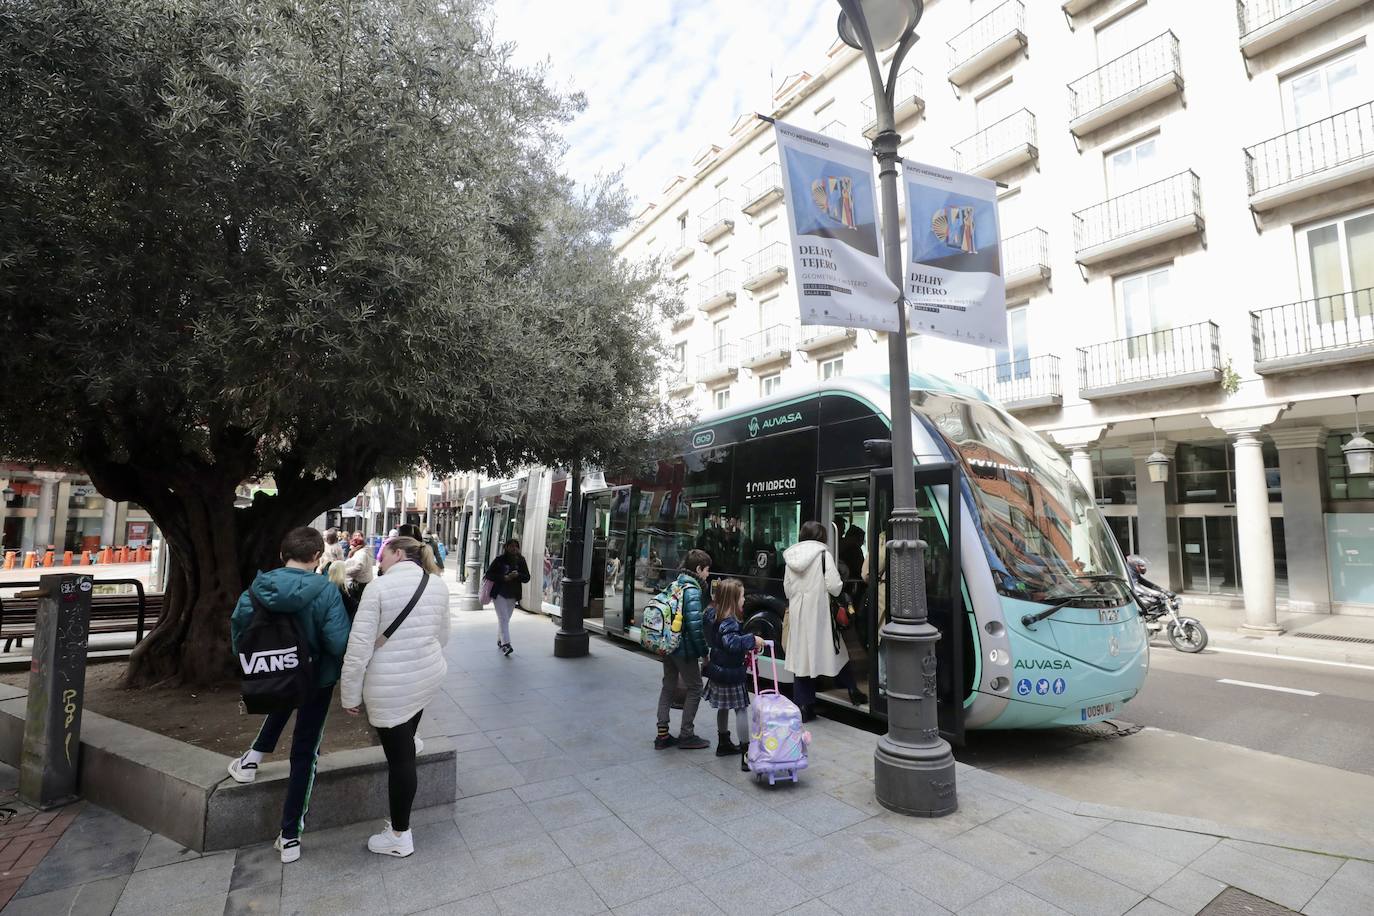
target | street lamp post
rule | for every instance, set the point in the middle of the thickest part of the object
(471, 599)
(913, 767)
(572, 640)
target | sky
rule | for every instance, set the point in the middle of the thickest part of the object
(663, 78)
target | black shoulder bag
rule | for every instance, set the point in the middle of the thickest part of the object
(410, 606)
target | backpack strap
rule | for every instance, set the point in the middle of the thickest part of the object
(410, 606)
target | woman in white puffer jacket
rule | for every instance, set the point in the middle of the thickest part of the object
(398, 678)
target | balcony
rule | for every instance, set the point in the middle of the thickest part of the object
(683, 252)
(716, 221)
(816, 337)
(718, 364)
(1318, 332)
(1002, 146)
(1267, 23)
(684, 318)
(1157, 213)
(1026, 258)
(908, 101)
(836, 130)
(1129, 83)
(1074, 7)
(680, 382)
(763, 189)
(1317, 157)
(1172, 358)
(717, 292)
(766, 266)
(769, 346)
(993, 38)
(1021, 384)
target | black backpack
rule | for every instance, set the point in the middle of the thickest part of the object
(274, 655)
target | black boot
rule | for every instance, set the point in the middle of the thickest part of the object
(744, 756)
(808, 712)
(724, 746)
(857, 696)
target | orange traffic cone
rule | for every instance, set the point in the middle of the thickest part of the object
(122, 554)
(47, 556)
(106, 555)
(30, 560)
(85, 558)
(66, 558)
(11, 557)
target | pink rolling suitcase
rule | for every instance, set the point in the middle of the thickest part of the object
(777, 741)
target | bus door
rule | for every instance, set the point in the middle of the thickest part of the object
(608, 523)
(939, 504)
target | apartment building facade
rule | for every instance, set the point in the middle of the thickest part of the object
(1188, 244)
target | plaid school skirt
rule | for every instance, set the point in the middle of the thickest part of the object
(726, 696)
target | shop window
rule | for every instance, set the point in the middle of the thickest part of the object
(1114, 477)
(1206, 472)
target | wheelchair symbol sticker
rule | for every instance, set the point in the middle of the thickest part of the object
(1023, 687)
(1042, 686)
(1060, 685)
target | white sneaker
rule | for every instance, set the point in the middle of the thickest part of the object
(419, 747)
(387, 843)
(290, 849)
(243, 771)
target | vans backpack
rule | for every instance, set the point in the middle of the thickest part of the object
(660, 626)
(274, 656)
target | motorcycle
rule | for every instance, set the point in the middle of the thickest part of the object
(1160, 615)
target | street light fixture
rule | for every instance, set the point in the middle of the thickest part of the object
(1359, 451)
(913, 767)
(1157, 465)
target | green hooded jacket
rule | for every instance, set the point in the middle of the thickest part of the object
(313, 599)
(693, 644)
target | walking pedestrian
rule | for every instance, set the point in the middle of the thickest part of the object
(724, 669)
(685, 662)
(814, 648)
(319, 610)
(395, 664)
(333, 549)
(507, 573)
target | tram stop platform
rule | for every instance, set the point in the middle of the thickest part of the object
(565, 808)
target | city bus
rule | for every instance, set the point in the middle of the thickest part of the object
(1023, 577)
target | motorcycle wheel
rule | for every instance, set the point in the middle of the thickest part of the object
(1188, 635)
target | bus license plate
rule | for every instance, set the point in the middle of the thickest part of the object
(1101, 709)
(1109, 615)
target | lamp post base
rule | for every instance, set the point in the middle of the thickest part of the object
(916, 781)
(571, 645)
(469, 603)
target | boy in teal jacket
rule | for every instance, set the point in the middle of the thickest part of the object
(296, 589)
(685, 663)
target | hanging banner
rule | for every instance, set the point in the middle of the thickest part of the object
(833, 219)
(953, 276)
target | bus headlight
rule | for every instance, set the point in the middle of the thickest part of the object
(999, 684)
(998, 657)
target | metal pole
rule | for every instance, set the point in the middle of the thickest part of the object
(470, 600)
(571, 640)
(913, 767)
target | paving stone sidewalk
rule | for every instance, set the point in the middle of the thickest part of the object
(566, 809)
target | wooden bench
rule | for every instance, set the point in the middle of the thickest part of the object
(109, 613)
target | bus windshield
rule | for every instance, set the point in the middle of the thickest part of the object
(1045, 538)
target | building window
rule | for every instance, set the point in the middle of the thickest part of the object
(680, 353)
(1337, 257)
(993, 106)
(1328, 88)
(1015, 361)
(720, 398)
(1120, 35)
(1205, 472)
(1113, 477)
(1143, 307)
(770, 384)
(832, 368)
(682, 230)
(770, 312)
(1133, 166)
(1340, 485)
(720, 333)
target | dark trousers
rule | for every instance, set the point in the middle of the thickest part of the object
(804, 688)
(689, 669)
(305, 754)
(398, 743)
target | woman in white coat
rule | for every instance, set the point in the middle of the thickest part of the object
(397, 675)
(813, 647)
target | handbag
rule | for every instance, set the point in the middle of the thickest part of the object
(484, 595)
(405, 612)
(837, 609)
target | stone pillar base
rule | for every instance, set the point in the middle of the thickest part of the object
(469, 603)
(1249, 629)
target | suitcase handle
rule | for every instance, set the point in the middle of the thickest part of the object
(754, 668)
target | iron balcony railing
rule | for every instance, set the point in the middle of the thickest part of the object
(724, 358)
(1168, 354)
(986, 32)
(1034, 378)
(1313, 148)
(768, 179)
(721, 283)
(835, 130)
(814, 333)
(775, 339)
(1256, 14)
(770, 256)
(679, 379)
(908, 88)
(1029, 250)
(996, 140)
(1120, 77)
(1176, 197)
(1314, 325)
(722, 211)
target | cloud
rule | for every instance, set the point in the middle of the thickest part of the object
(663, 78)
